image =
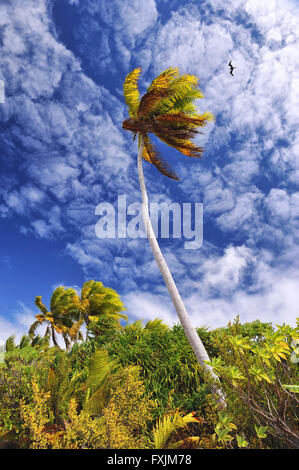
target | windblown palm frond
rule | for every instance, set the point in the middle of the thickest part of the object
(166, 110)
(157, 326)
(38, 302)
(164, 79)
(25, 341)
(61, 300)
(40, 342)
(33, 328)
(151, 154)
(75, 329)
(168, 425)
(10, 343)
(132, 95)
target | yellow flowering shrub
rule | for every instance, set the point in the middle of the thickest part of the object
(81, 431)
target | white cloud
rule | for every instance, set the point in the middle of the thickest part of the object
(217, 199)
(277, 304)
(225, 273)
(275, 297)
(130, 18)
(189, 44)
(272, 296)
(243, 211)
(283, 208)
(18, 324)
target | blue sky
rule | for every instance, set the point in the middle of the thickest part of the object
(63, 151)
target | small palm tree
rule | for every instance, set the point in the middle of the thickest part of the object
(166, 110)
(58, 319)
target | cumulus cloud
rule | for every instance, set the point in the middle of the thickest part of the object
(218, 297)
(106, 35)
(146, 306)
(66, 145)
(221, 294)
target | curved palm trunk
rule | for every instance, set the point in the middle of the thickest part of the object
(192, 336)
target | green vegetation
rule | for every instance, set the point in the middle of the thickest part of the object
(140, 386)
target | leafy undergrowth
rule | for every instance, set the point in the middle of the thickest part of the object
(140, 386)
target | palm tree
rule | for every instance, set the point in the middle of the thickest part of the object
(58, 319)
(98, 305)
(167, 110)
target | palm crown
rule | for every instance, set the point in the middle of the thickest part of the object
(167, 110)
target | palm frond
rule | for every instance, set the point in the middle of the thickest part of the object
(61, 300)
(181, 121)
(159, 163)
(10, 343)
(74, 330)
(150, 102)
(145, 155)
(25, 341)
(33, 328)
(169, 424)
(87, 289)
(39, 341)
(185, 146)
(131, 92)
(55, 298)
(38, 302)
(41, 317)
(100, 369)
(163, 80)
(181, 91)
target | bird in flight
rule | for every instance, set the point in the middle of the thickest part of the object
(231, 68)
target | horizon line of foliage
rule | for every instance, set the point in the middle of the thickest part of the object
(139, 385)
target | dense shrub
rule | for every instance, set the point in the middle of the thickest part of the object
(141, 387)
